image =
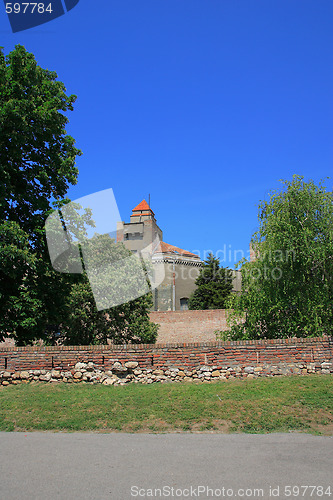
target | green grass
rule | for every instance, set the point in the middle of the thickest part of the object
(257, 406)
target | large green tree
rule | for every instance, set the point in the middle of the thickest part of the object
(214, 285)
(287, 289)
(37, 165)
(84, 324)
(114, 278)
(37, 156)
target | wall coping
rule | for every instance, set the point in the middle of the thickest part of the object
(140, 347)
(191, 311)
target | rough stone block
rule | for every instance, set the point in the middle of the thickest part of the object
(131, 364)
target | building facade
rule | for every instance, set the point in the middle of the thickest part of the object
(174, 270)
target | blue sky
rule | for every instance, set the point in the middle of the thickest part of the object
(204, 104)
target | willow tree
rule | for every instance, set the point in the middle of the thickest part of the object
(288, 288)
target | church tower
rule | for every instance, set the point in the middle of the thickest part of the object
(142, 212)
(141, 231)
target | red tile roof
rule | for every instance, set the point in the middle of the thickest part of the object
(166, 248)
(142, 206)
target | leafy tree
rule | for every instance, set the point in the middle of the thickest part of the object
(20, 305)
(37, 165)
(115, 275)
(287, 289)
(84, 324)
(214, 285)
(37, 157)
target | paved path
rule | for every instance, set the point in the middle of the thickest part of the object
(86, 466)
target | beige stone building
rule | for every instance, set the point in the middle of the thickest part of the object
(174, 269)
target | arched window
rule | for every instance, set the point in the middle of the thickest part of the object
(184, 304)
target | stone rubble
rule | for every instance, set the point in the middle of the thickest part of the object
(131, 372)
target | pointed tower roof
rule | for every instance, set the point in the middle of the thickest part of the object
(142, 209)
(142, 206)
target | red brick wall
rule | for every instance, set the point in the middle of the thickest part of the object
(243, 353)
(189, 326)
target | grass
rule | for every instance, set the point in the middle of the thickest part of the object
(258, 406)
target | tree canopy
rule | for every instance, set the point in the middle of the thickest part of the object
(214, 285)
(37, 166)
(113, 278)
(287, 289)
(37, 156)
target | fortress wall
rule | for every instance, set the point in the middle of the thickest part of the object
(189, 326)
(205, 361)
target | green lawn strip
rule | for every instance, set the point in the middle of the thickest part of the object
(276, 404)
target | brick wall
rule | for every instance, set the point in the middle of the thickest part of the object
(264, 353)
(189, 326)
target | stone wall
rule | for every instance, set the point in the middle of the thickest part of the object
(150, 363)
(189, 326)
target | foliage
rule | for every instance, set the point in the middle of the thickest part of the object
(214, 285)
(287, 290)
(20, 306)
(37, 165)
(37, 157)
(121, 324)
(127, 322)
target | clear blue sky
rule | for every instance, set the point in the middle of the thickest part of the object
(204, 104)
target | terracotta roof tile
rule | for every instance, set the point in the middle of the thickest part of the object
(142, 206)
(166, 248)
